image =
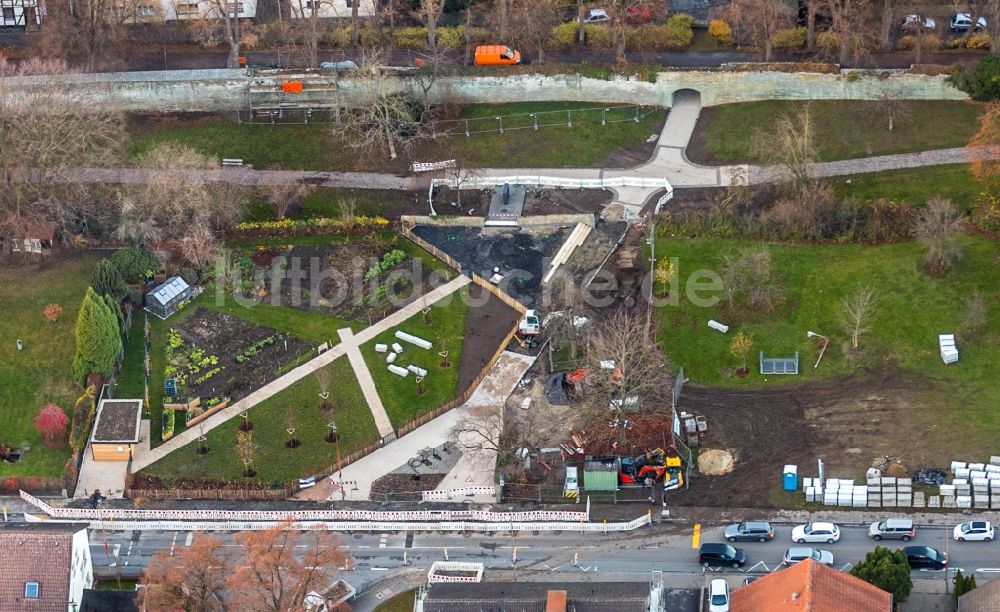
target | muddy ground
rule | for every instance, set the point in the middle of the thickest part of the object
(521, 255)
(488, 322)
(844, 421)
(476, 202)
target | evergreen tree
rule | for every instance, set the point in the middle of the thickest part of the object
(888, 570)
(107, 280)
(98, 341)
(115, 307)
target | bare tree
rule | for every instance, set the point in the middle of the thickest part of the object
(430, 12)
(857, 311)
(224, 15)
(310, 25)
(324, 376)
(97, 30)
(533, 21)
(746, 278)
(487, 434)
(937, 229)
(626, 368)
(890, 107)
(284, 198)
(885, 31)
(850, 24)
(192, 579)
(246, 449)
(280, 566)
(788, 144)
(812, 6)
(976, 310)
(46, 133)
(199, 246)
(761, 20)
(134, 226)
(384, 116)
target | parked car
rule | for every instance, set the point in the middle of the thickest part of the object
(816, 532)
(749, 579)
(760, 531)
(801, 553)
(717, 555)
(597, 15)
(496, 55)
(894, 528)
(915, 20)
(718, 596)
(961, 22)
(925, 557)
(974, 531)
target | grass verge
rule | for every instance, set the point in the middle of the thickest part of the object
(40, 373)
(310, 147)
(843, 129)
(446, 332)
(913, 185)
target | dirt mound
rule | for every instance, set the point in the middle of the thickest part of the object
(716, 462)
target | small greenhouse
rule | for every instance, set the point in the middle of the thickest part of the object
(168, 297)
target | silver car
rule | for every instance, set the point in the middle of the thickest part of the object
(801, 553)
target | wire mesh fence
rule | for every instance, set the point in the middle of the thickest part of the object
(598, 115)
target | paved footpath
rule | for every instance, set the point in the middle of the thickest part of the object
(366, 382)
(866, 165)
(280, 384)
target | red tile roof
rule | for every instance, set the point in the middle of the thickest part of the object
(983, 598)
(35, 553)
(809, 586)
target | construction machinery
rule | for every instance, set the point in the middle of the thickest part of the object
(651, 468)
(530, 325)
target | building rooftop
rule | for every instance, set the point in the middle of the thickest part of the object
(809, 586)
(983, 598)
(117, 421)
(533, 596)
(36, 553)
(95, 600)
(169, 290)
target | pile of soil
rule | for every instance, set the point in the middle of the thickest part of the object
(715, 462)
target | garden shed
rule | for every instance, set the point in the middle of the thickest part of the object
(168, 297)
(116, 430)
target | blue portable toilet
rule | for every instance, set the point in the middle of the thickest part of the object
(791, 477)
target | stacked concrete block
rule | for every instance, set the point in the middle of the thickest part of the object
(918, 499)
(934, 501)
(904, 492)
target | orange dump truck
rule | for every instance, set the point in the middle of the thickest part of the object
(497, 55)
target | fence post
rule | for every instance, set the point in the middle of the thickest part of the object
(604, 116)
(535, 118)
(466, 128)
(500, 119)
(637, 113)
(569, 118)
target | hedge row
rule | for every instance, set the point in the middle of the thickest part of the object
(306, 227)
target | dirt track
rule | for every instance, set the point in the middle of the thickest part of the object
(845, 421)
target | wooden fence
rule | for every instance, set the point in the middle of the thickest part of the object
(430, 248)
(207, 413)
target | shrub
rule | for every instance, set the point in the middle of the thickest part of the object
(598, 36)
(52, 312)
(564, 35)
(98, 339)
(827, 42)
(983, 84)
(986, 212)
(678, 32)
(319, 226)
(168, 423)
(51, 423)
(720, 31)
(675, 34)
(133, 263)
(907, 42)
(107, 280)
(789, 38)
(979, 40)
(450, 37)
(409, 38)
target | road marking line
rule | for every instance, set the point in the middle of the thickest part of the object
(189, 538)
(696, 536)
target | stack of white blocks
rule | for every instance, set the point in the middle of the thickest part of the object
(949, 352)
(974, 485)
(839, 492)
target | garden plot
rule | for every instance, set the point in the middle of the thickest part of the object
(362, 278)
(217, 357)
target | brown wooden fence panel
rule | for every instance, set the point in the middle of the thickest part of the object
(502, 296)
(430, 248)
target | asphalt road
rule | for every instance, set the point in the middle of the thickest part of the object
(666, 548)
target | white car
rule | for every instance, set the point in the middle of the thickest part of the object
(913, 20)
(973, 531)
(963, 21)
(816, 532)
(801, 553)
(597, 15)
(718, 596)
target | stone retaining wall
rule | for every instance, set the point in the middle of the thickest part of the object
(225, 90)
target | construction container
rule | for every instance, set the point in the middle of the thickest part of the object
(790, 477)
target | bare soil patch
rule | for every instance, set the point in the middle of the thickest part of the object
(696, 150)
(486, 324)
(768, 428)
(476, 203)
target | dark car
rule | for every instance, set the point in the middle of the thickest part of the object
(925, 557)
(718, 555)
(759, 531)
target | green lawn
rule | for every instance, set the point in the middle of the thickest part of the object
(913, 185)
(843, 129)
(309, 147)
(913, 310)
(40, 373)
(399, 603)
(324, 202)
(274, 462)
(399, 395)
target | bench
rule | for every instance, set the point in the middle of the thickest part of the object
(232, 163)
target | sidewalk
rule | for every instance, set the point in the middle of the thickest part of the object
(860, 516)
(366, 382)
(471, 469)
